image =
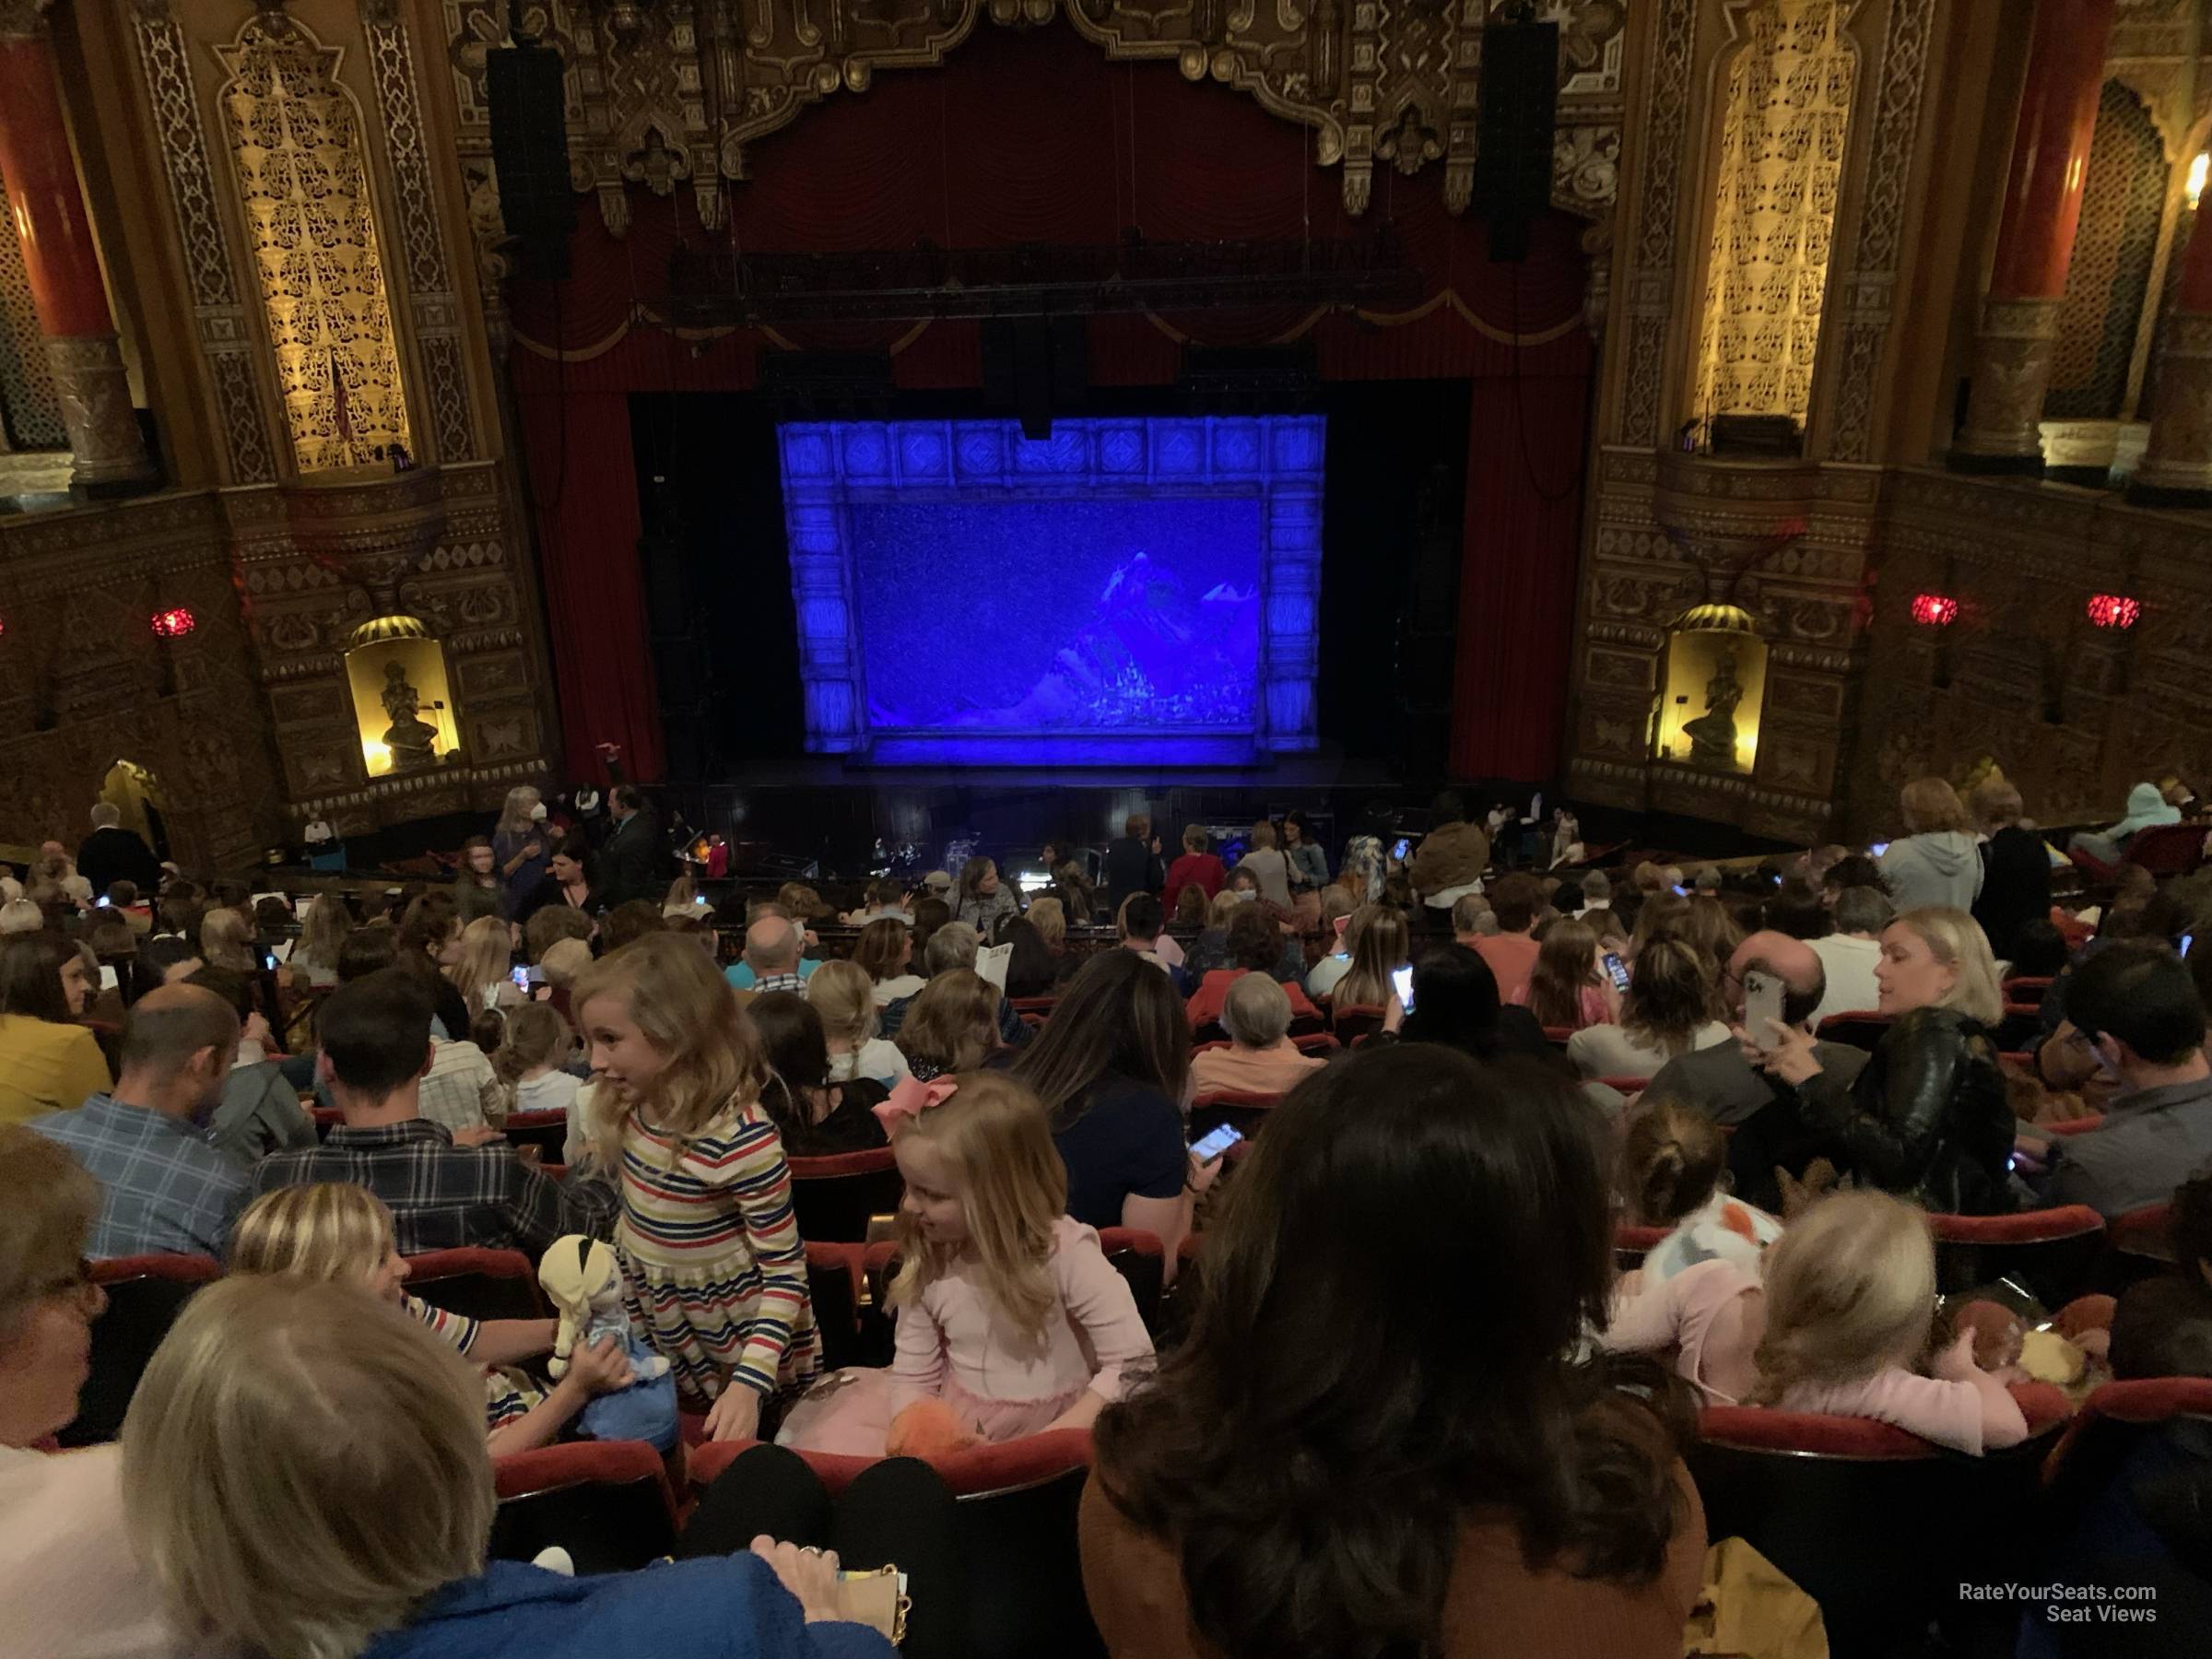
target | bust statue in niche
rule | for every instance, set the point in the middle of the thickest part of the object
(412, 740)
(1712, 734)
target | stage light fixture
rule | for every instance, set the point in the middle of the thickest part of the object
(2114, 610)
(173, 623)
(1934, 610)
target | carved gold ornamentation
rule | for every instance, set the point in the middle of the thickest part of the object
(94, 395)
(1650, 292)
(2012, 366)
(2180, 457)
(295, 138)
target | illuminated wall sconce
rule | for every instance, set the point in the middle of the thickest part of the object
(2114, 610)
(2197, 168)
(173, 623)
(1934, 610)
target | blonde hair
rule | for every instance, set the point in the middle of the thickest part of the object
(683, 1007)
(535, 1035)
(47, 1206)
(331, 1231)
(514, 815)
(563, 961)
(324, 928)
(487, 948)
(1263, 835)
(1013, 1189)
(682, 897)
(1850, 1291)
(1384, 946)
(1956, 939)
(953, 1024)
(1996, 801)
(1049, 917)
(223, 936)
(342, 1445)
(1931, 807)
(1222, 908)
(844, 996)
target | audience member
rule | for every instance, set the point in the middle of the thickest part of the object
(1267, 864)
(955, 945)
(1132, 861)
(1927, 1117)
(19, 916)
(1849, 955)
(164, 1190)
(1112, 1070)
(1011, 1321)
(1339, 919)
(1049, 917)
(2146, 807)
(477, 887)
(1799, 910)
(2039, 950)
(1673, 1173)
(1936, 862)
(259, 1112)
(772, 956)
(845, 1000)
(1670, 1008)
(1473, 919)
(1309, 861)
(1197, 867)
(443, 1194)
(1569, 988)
(710, 1252)
(112, 854)
(1349, 1397)
(1259, 1058)
(1141, 926)
(480, 971)
(628, 921)
(981, 899)
(48, 1062)
(70, 1583)
(2162, 1326)
(1209, 950)
(815, 1112)
(884, 951)
(1718, 1080)
(1030, 970)
(2016, 868)
(1384, 945)
(314, 958)
(519, 842)
(1255, 945)
(951, 1027)
(1512, 950)
(348, 1441)
(1451, 857)
(630, 858)
(2136, 1009)
(531, 1062)
(1455, 1003)
(1597, 891)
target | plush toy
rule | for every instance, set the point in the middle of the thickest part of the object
(1999, 1332)
(928, 1428)
(583, 1283)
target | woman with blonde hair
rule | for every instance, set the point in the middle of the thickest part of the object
(843, 995)
(1850, 1304)
(1385, 945)
(345, 1444)
(885, 952)
(1926, 1118)
(1936, 860)
(519, 846)
(322, 932)
(952, 1026)
(1268, 863)
(336, 1233)
(1672, 1005)
(713, 1272)
(224, 936)
(480, 972)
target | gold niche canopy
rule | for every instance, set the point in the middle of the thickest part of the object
(402, 699)
(1714, 687)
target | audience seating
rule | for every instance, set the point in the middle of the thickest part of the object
(1859, 1029)
(144, 1296)
(481, 1284)
(2112, 1424)
(2027, 989)
(2168, 849)
(834, 1197)
(2080, 1125)
(2053, 1252)
(547, 1131)
(607, 1503)
(2139, 1246)
(1246, 1110)
(1632, 1244)
(1632, 1086)
(1033, 1004)
(1139, 1258)
(326, 1118)
(1357, 1020)
(1016, 1507)
(1316, 1042)
(1876, 1524)
(837, 1281)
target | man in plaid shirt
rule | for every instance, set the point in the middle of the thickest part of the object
(164, 1190)
(442, 1195)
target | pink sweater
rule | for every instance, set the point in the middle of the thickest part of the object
(1276, 1070)
(1948, 1413)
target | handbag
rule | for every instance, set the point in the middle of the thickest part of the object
(877, 1599)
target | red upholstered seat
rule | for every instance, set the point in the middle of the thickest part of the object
(2169, 849)
(1033, 1004)
(2023, 1226)
(1632, 1244)
(2113, 1423)
(833, 1197)
(547, 1131)
(2053, 1252)
(1315, 1042)
(177, 1269)
(144, 1296)
(1860, 1028)
(852, 1329)
(2080, 1125)
(2026, 988)
(482, 1284)
(607, 1503)
(1355, 1020)
(1627, 1085)
(2144, 1230)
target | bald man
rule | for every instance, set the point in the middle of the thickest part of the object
(1718, 1080)
(771, 951)
(164, 1190)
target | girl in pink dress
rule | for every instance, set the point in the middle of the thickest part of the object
(1010, 1318)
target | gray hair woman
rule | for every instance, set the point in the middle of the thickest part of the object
(1260, 1058)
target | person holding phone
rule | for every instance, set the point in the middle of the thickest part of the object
(1672, 1006)
(1571, 987)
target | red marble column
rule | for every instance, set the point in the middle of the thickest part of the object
(2018, 335)
(46, 207)
(2176, 470)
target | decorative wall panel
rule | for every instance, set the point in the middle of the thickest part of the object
(31, 411)
(2114, 245)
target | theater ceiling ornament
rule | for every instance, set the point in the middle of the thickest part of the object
(670, 93)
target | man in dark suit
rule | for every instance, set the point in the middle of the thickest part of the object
(629, 863)
(112, 854)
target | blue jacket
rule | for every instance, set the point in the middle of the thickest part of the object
(712, 1608)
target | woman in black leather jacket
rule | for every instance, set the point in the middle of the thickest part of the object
(1927, 1118)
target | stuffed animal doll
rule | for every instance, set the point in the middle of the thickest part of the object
(582, 1281)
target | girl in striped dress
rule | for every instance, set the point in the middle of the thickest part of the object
(715, 1276)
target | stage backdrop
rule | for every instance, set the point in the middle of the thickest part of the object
(1168, 540)
(1032, 136)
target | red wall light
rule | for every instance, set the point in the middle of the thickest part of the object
(2114, 610)
(1934, 610)
(173, 623)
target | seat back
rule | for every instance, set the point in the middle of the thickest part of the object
(479, 1284)
(1243, 1109)
(2053, 1252)
(1355, 1020)
(547, 1131)
(2139, 1246)
(144, 1296)
(2026, 988)
(837, 1283)
(1866, 1519)
(1632, 1244)
(2168, 849)
(1137, 1256)
(607, 1503)
(1859, 1029)
(2113, 1423)
(833, 1197)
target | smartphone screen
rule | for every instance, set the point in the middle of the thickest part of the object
(1401, 981)
(1211, 1145)
(521, 977)
(2187, 940)
(1878, 848)
(1398, 853)
(1762, 1003)
(1618, 971)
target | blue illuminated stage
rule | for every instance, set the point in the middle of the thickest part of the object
(1138, 591)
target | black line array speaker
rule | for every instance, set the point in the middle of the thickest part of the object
(530, 147)
(1516, 118)
(1035, 367)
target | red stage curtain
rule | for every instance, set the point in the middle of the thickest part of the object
(583, 496)
(1034, 136)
